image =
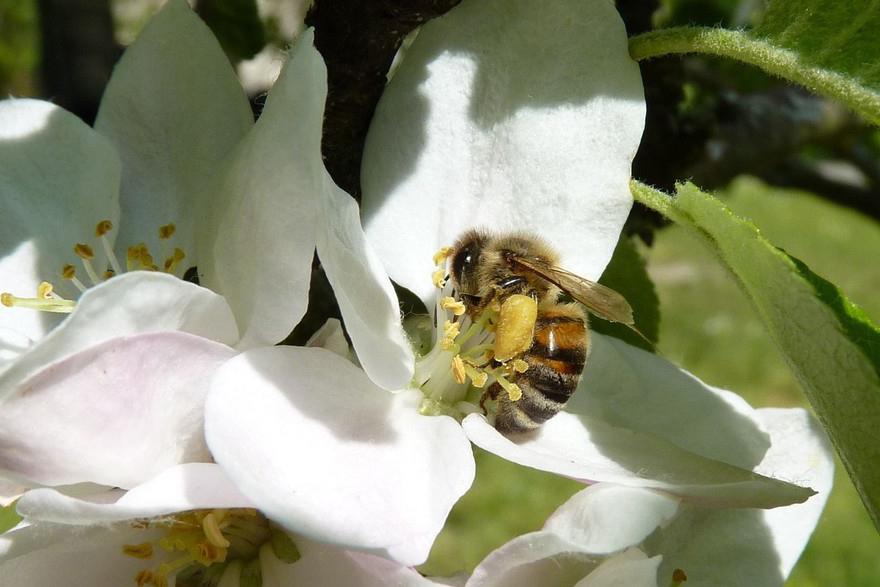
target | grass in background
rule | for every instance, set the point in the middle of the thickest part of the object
(708, 327)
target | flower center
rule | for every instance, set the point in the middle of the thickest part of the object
(138, 257)
(202, 544)
(462, 361)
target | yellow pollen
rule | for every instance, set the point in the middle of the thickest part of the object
(449, 303)
(478, 376)
(167, 231)
(84, 251)
(520, 366)
(442, 255)
(172, 261)
(144, 578)
(458, 369)
(450, 331)
(68, 272)
(6, 299)
(438, 278)
(103, 228)
(142, 550)
(514, 392)
(44, 290)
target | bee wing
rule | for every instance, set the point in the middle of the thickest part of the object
(601, 301)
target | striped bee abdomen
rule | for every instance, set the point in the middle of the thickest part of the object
(555, 362)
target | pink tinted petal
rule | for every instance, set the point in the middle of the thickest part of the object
(116, 413)
(180, 488)
(590, 450)
(605, 518)
(323, 451)
(129, 304)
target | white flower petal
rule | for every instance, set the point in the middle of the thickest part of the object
(58, 179)
(330, 336)
(268, 195)
(628, 569)
(76, 557)
(180, 488)
(129, 304)
(115, 414)
(13, 344)
(631, 388)
(802, 454)
(537, 558)
(593, 451)
(323, 451)
(606, 518)
(174, 109)
(747, 546)
(327, 565)
(366, 298)
(508, 117)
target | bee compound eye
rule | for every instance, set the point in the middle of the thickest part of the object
(463, 260)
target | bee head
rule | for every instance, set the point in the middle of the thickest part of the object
(466, 261)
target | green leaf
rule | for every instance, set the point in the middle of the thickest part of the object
(831, 48)
(627, 275)
(236, 24)
(828, 342)
(9, 518)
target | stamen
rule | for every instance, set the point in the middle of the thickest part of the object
(458, 369)
(143, 550)
(442, 255)
(51, 304)
(86, 253)
(520, 366)
(478, 377)
(449, 303)
(212, 531)
(438, 278)
(101, 230)
(68, 272)
(678, 577)
(450, 332)
(167, 231)
(512, 389)
(172, 262)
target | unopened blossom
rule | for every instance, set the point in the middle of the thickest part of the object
(505, 117)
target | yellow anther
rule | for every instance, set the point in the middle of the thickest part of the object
(68, 272)
(478, 376)
(84, 251)
(142, 550)
(211, 527)
(442, 255)
(449, 303)
(7, 299)
(44, 290)
(520, 366)
(458, 369)
(108, 274)
(678, 577)
(103, 228)
(438, 278)
(450, 331)
(144, 578)
(514, 392)
(172, 261)
(167, 231)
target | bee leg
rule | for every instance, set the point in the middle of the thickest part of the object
(491, 393)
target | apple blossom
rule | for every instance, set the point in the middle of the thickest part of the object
(615, 535)
(175, 166)
(503, 116)
(187, 526)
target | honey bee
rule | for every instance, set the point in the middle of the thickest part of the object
(517, 274)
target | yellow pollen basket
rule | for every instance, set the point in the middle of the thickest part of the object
(516, 327)
(138, 258)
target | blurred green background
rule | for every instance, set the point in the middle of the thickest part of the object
(707, 325)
